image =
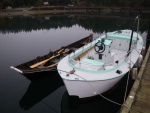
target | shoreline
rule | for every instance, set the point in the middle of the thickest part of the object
(54, 10)
(27, 12)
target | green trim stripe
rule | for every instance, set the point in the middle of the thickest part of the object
(121, 36)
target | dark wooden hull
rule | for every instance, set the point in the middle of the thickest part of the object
(51, 64)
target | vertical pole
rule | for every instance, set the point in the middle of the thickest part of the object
(138, 28)
(130, 41)
(132, 35)
(138, 25)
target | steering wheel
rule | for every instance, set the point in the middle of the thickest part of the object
(99, 47)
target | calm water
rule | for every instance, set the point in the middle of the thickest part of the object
(24, 38)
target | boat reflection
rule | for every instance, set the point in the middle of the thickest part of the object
(96, 104)
(40, 87)
(50, 90)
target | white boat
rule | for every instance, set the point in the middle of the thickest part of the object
(96, 67)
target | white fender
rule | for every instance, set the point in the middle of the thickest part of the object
(143, 51)
(140, 60)
(134, 72)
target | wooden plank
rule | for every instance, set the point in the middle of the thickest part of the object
(140, 107)
(82, 55)
(133, 111)
(147, 71)
(146, 77)
(143, 97)
(145, 82)
(148, 64)
(145, 90)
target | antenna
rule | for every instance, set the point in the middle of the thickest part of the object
(137, 18)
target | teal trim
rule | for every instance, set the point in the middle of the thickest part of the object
(121, 37)
(107, 42)
(95, 71)
(93, 62)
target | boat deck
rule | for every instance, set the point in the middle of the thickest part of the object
(97, 64)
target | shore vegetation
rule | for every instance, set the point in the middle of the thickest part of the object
(112, 3)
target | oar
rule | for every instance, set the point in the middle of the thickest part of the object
(60, 50)
(43, 62)
(57, 62)
(66, 51)
(52, 65)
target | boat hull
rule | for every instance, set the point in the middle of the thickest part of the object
(84, 89)
(86, 76)
(37, 65)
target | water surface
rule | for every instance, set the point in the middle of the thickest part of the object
(24, 38)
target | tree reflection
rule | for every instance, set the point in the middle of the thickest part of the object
(95, 23)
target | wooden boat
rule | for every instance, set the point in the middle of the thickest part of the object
(96, 67)
(49, 61)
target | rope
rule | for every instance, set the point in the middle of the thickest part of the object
(127, 85)
(95, 90)
(105, 97)
(130, 60)
(128, 78)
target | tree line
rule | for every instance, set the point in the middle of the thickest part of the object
(38, 22)
(122, 3)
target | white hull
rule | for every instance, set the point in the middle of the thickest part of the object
(87, 77)
(85, 89)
